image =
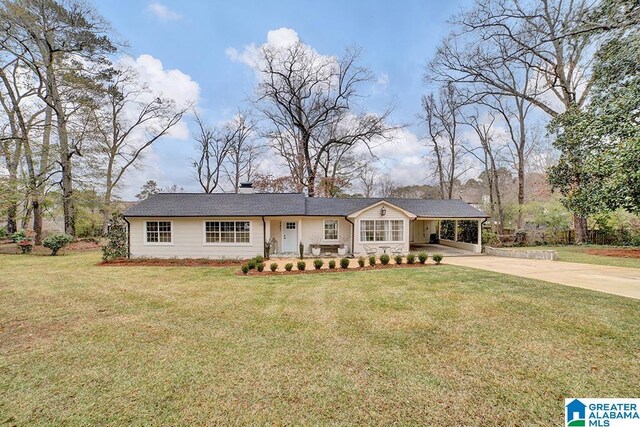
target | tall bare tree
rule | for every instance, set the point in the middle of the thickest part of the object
(302, 95)
(442, 114)
(243, 158)
(527, 40)
(213, 146)
(128, 121)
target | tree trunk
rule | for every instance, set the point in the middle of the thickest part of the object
(12, 215)
(580, 227)
(38, 184)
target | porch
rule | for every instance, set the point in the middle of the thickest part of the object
(455, 236)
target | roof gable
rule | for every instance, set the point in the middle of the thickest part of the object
(382, 203)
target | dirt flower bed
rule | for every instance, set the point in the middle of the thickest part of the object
(266, 272)
(616, 252)
(173, 262)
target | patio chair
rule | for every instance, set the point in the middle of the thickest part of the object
(370, 250)
(397, 249)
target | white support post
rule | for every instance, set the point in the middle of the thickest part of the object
(479, 233)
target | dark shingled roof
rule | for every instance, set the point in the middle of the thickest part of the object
(265, 204)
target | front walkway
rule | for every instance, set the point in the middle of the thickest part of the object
(613, 280)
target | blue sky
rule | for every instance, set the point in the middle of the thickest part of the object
(397, 39)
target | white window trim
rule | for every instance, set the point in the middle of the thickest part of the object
(337, 239)
(404, 239)
(144, 234)
(230, 244)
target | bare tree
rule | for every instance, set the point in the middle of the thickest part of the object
(368, 178)
(213, 148)
(243, 158)
(128, 121)
(387, 185)
(442, 114)
(526, 40)
(308, 101)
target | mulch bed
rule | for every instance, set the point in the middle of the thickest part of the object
(266, 272)
(616, 252)
(172, 262)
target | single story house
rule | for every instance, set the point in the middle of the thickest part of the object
(188, 225)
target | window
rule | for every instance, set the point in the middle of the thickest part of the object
(227, 231)
(330, 229)
(381, 230)
(159, 232)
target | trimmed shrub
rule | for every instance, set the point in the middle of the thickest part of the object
(251, 264)
(437, 258)
(411, 259)
(344, 263)
(245, 269)
(422, 257)
(273, 266)
(361, 261)
(318, 263)
(332, 264)
(259, 259)
(56, 241)
(302, 265)
(288, 266)
(372, 260)
(260, 267)
(117, 245)
(384, 259)
(398, 259)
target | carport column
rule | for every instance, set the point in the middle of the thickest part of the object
(299, 233)
(455, 230)
(479, 233)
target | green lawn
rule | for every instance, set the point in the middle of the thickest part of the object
(86, 345)
(578, 254)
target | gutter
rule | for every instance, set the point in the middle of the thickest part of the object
(353, 231)
(128, 237)
(264, 242)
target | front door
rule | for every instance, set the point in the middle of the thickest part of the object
(289, 236)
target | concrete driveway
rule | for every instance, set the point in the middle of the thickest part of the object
(613, 280)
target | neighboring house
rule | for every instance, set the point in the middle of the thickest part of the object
(187, 225)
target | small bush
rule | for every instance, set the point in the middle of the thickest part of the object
(372, 260)
(422, 257)
(259, 259)
(244, 268)
(251, 264)
(344, 263)
(361, 261)
(302, 265)
(273, 266)
(384, 259)
(332, 264)
(398, 259)
(3, 232)
(437, 258)
(56, 241)
(411, 259)
(318, 263)
(260, 267)
(19, 236)
(288, 266)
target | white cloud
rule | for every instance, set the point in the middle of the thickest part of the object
(171, 84)
(383, 80)
(162, 12)
(250, 54)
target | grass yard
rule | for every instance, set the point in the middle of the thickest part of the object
(85, 345)
(580, 254)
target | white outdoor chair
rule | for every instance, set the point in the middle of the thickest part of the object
(397, 249)
(370, 250)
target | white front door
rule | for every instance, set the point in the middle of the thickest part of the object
(289, 236)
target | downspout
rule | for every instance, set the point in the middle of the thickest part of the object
(353, 231)
(264, 242)
(128, 237)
